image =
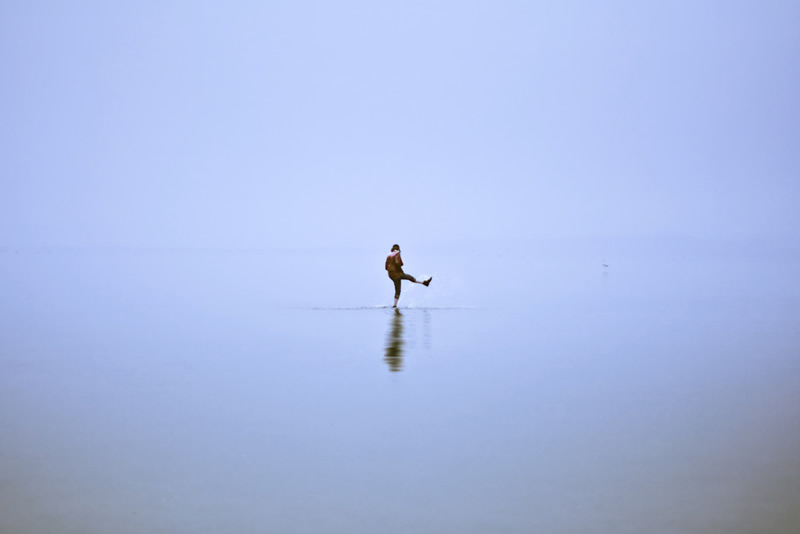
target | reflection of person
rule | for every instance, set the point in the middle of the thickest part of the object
(394, 343)
(394, 265)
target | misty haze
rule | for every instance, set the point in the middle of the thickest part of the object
(196, 323)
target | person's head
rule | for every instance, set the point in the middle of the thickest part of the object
(396, 247)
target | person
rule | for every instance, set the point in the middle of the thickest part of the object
(394, 266)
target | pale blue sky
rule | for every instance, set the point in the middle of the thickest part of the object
(355, 123)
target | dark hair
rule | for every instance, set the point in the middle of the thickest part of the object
(395, 247)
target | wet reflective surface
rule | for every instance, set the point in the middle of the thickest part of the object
(169, 391)
(396, 338)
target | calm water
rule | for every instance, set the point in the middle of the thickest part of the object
(524, 391)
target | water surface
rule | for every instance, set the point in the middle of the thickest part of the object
(250, 391)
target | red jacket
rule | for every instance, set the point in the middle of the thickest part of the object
(394, 264)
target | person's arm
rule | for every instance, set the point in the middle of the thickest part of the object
(399, 260)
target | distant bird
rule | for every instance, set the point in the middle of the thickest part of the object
(605, 264)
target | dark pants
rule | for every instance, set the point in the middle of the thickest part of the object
(402, 276)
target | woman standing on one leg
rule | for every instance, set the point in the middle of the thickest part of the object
(394, 265)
